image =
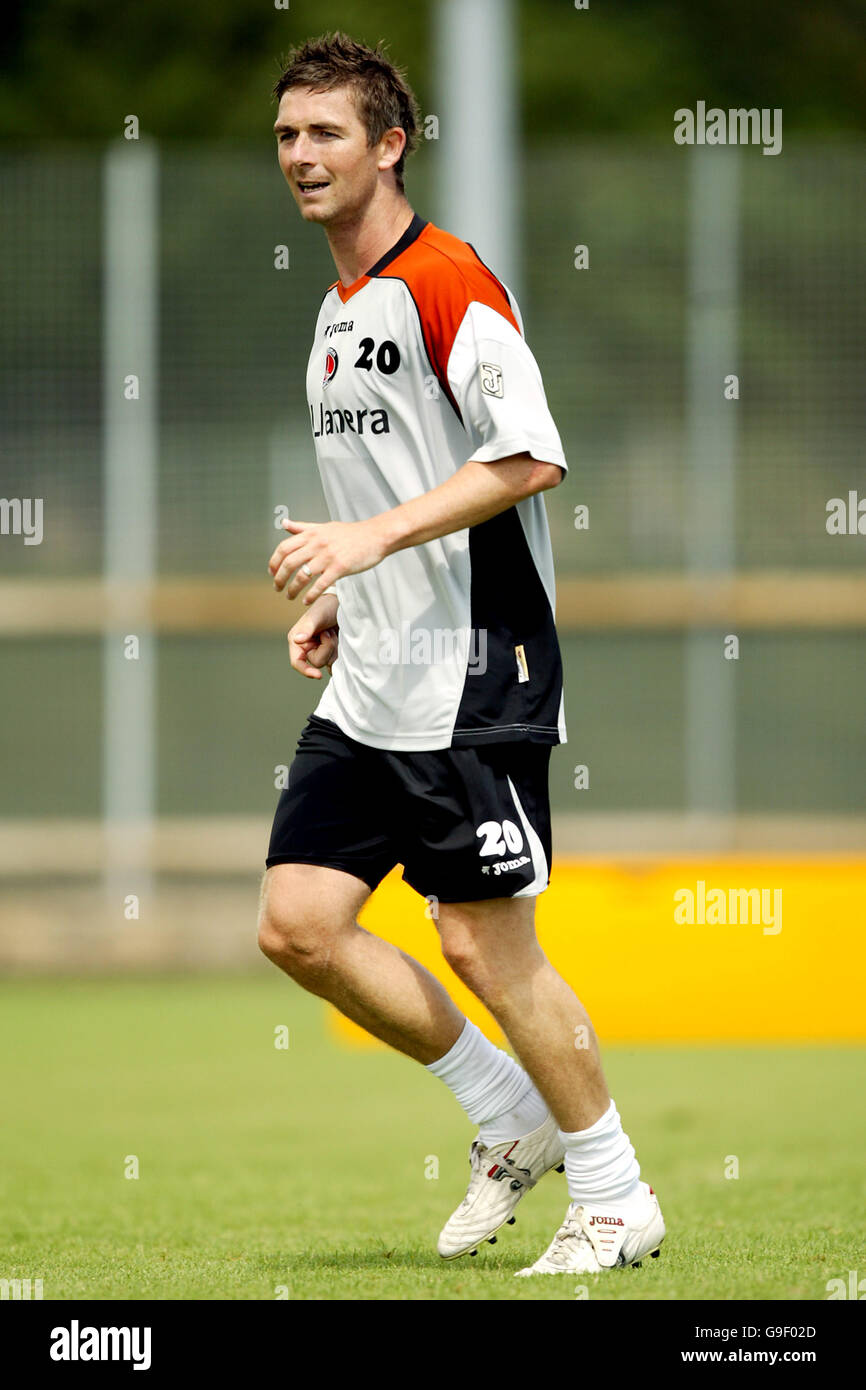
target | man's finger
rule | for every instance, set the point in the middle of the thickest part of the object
(299, 581)
(300, 660)
(321, 655)
(323, 582)
(289, 565)
(293, 541)
(282, 550)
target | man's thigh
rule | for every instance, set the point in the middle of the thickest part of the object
(310, 896)
(503, 926)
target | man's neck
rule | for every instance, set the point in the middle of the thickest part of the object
(357, 246)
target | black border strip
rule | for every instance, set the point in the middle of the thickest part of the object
(412, 233)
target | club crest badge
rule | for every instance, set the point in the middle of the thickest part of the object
(491, 379)
(332, 361)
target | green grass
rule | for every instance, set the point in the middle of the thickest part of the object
(305, 1168)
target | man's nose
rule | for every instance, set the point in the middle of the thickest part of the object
(302, 153)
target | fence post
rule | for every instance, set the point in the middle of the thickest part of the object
(710, 515)
(130, 445)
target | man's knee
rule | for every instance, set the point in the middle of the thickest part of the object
(487, 949)
(467, 959)
(297, 944)
(299, 922)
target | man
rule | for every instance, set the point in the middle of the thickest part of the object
(430, 745)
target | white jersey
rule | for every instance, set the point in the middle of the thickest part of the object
(417, 367)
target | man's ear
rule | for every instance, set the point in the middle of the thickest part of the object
(392, 145)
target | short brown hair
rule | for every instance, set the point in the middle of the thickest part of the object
(383, 97)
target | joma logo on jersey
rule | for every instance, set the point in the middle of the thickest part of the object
(348, 421)
(343, 326)
(332, 362)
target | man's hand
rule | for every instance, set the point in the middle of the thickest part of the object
(314, 638)
(332, 549)
(475, 493)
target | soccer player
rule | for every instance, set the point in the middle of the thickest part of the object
(430, 598)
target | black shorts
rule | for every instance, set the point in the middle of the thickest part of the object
(465, 823)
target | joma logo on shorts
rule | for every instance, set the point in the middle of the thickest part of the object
(506, 867)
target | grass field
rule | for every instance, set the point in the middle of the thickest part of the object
(266, 1171)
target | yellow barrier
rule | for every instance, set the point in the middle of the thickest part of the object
(790, 968)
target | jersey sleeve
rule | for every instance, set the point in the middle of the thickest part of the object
(495, 381)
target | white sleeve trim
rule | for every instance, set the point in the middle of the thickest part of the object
(519, 444)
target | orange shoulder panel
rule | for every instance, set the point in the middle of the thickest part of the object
(444, 276)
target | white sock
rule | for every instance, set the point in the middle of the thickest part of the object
(600, 1164)
(493, 1089)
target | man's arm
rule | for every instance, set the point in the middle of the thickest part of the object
(475, 493)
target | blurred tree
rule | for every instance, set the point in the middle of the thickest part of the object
(629, 65)
(75, 68)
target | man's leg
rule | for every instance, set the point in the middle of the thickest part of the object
(613, 1216)
(307, 927)
(492, 947)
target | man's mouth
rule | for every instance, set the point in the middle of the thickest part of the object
(309, 186)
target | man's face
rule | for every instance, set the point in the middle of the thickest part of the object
(324, 155)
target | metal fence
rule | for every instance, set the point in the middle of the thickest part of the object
(619, 343)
